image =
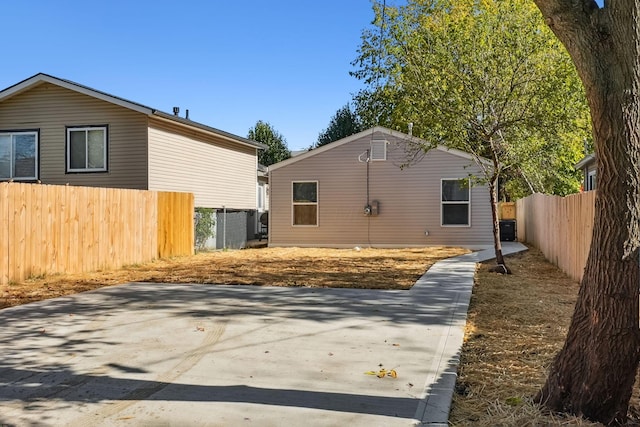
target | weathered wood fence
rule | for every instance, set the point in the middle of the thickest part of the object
(46, 229)
(560, 227)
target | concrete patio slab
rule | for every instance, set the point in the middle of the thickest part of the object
(175, 354)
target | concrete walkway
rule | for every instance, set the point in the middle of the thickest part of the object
(187, 355)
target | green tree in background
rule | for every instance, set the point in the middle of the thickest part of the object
(277, 150)
(459, 70)
(343, 124)
(487, 77)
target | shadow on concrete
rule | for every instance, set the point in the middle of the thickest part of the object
(93, 389)
(69, 330)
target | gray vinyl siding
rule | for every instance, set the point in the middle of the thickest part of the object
(219, 173)
(50, 109)
(409, 199)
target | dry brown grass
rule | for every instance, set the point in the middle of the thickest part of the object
(366, 268)
(515, 327)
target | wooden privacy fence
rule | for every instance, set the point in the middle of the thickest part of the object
(560, 227)
(46, 229)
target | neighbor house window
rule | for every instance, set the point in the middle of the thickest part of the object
(19, 155)
(262, 197)
(455, 202)
(87, 149)
(591, 180)
(305, 203)
(379, 150)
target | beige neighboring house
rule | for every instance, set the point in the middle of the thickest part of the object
(55, 131)
(353, 192)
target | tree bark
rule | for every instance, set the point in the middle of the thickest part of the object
(501, 266)
(594, 373)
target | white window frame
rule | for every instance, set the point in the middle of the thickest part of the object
(316, 203)
(378, 142)
(85, 129)
(12, 159)
(592, 183)
(261, 197)
(456, 202)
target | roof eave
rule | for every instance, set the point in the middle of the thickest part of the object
(67, 84)
(208, 129)
(45, 78)
(585, 161)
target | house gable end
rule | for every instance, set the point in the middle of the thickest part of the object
(42, 78)
(377, 132)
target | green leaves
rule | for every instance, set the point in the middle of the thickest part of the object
(266, 134)
(343, 124)
(484, 76)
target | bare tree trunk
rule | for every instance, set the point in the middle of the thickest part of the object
(593, 374)
(501, 266)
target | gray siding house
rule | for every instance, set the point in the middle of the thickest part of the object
(55, 131)
(354, 192)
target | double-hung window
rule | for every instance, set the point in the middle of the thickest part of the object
(455, 202)
(87, 149)
(305, 203)
(19, 155)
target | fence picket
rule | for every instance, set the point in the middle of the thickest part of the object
(560, 227)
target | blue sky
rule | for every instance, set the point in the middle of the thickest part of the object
(231, 63)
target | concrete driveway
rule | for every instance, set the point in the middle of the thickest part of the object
(187, 355)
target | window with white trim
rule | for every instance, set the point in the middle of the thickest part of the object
(305, 203)
(378, 150)
(456, 202)
(19, 155)
(261, 197)
(87, 149)
(591, 180)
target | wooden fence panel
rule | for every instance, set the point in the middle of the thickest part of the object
(174, 235)
(4, 233)
(47, 229)
(561, 227)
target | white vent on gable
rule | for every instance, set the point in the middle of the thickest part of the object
(378, 150)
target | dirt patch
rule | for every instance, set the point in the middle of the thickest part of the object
(343, 268)
(516, 325)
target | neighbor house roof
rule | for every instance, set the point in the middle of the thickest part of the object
(585, 161)
(370, 131)
(41, 78)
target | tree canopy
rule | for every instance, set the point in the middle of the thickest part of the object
(343, 124)
(486, 77)
(277, 150)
